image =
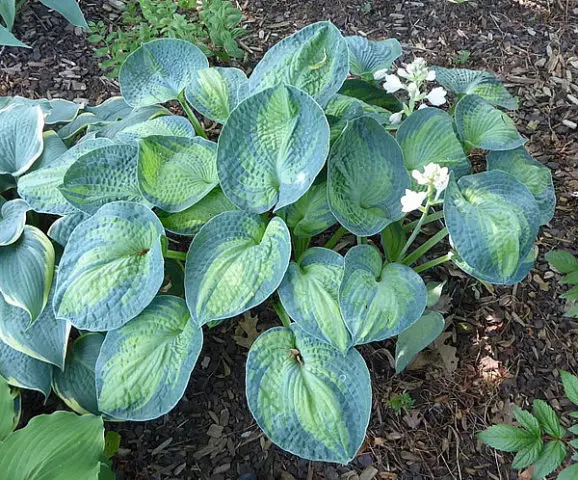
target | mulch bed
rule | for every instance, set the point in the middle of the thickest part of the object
(502, 346)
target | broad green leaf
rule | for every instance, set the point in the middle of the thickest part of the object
(417, 337)
(370, 93)
(9, 40)
(377, 300)
(309, 293)
(548, 418)
(8, 12)
(62, 111)
(530, 172)
(235, 262)
(189, 221)
(27, 270)
(549, 460)
(174, 173)
(493, 220)
(168, 126)
(528, 455)
(103, 175)
(60, 230)
(7, 412)
(369, 56)
(570, 383)
(344, 108)
(111, 269)
(78, 125)
(366, 178)
(272, 148)
(75, 384)
(59, 446)
(308, 397)
(12, 220)
(569, 473)
(135, 117)
(69, 9)
(482, 126)
(144, 367)
(507, 438)
(159, 71)
(310, 215)
(54, 147)
(528, 421)
(571, 278)
(427, 136)
(484, 84)
(216, 92)
(111, 444)
(106, 472)
(20, 138)
(23, 371)
(434, 293)
(315, 59)
(562, 261)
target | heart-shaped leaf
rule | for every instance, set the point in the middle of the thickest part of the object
(272, 148)
(235, 262)
(23, 371)
(366, 178)
(159, 71)
(308, 397)
(167, 126)
(12, 220)
(176, 172)
(111, 269)
(309, 293)
(493, 220)
(369, 56)
(60, 230)
(377, 300)
(315, 59)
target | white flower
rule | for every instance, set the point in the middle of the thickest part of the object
(434, 175)
(422, 106)
(413, 89)
(380, 74)
(412, 200)
(431, 76)
(416, 71)
(392, 84)
(437, 96)
(395, 118)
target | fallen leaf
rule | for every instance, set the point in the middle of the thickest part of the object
(246, 331)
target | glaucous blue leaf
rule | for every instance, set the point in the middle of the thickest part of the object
(54, 147)
(9, 40)
(61, 229)
(62, 111)
(136, 117)
(369, 56)
(12, 220)
(69, 9)
(168, 126)
(23, 371)
(370, 93)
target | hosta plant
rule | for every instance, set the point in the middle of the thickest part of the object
(251, 199)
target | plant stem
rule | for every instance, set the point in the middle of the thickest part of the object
(415, 232)
(192, 117)
(335, 237)
(426, 247)
(428, 219)
(361, 240)
(282, 313)
(433, 263)
(300, 244)
(175, 255)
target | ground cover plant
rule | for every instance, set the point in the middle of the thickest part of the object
(304, 156)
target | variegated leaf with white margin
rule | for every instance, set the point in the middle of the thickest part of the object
(493, 220)
(216, 92)
(40, 187)
(272, 148)
(23, 371)
(111, 269)
(236, 261)
(377, 300)
(309, 293)
(103, 175)
(462, 81)
(159, 71)
(12, 220)
(20, 138)
(54, 147)
(427, 136)
(26, 270)
(315, 59)
(144, 367)
(366, 178)
(189, 221)
(168, 126)
(537, 177)
(61, 229)
(369, 56)
(176, 172)
(76, 383)
(482, 126)
(307, 396)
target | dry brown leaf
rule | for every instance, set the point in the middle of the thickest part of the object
(246, 331)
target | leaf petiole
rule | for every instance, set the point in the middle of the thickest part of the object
(433, 263)
(175, 255)
(426, 247)
(191, 116)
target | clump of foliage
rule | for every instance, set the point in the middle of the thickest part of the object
(567, 264)
(213, 27)
(400, 403)
(540, 441)
(304, 157)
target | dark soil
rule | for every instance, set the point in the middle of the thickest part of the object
(502, 346)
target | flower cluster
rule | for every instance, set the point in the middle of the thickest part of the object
(435, 177)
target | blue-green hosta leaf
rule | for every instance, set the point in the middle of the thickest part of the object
(78, 125)
(235, 262)
(76, 384)
(369, 56)
(308, 397)
(7, 410)
(176, 172)
(40, 187)
(310, 215)
(484, 84)
(366, 178)
(309, 293)
(136, 117)
(69, 9)
(272, 148)
(168, 126)
(12, 220)
(62, 111)
(536, 177)
(9, 40)
(427, 136)
(26, 270)
(23, 371)
(159, 71)
(216, 92)
(144, 367)
(62, 228)
(348, 108)
(8, 12)
(106, 174)
(370, 93)
(377, 300)
(189, 221)
(54, 147)
(20, 138)
(417, 337)
(483, 126)
(492, 220)
(59, 446)
(111, 269)
(315, 59)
